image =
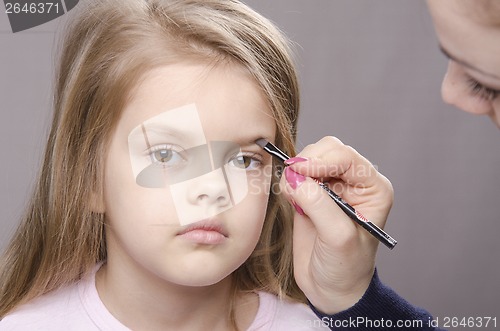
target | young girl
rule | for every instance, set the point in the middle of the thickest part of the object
(155, 208)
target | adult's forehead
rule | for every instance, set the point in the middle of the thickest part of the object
(464, 40)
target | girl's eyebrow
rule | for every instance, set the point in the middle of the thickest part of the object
(252, 142)
(465, 63)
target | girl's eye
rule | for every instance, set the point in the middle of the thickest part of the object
(165, 156)
(482, 91)
(245, 162)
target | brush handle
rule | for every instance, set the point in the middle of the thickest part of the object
(357, 217)
(372, 228)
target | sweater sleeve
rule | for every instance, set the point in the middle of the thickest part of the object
(380, 308)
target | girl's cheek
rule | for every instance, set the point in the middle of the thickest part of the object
(259, 182)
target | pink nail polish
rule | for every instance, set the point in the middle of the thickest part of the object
(294, 160)
(294, 179)
(297, 208)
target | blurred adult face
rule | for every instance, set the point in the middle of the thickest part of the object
(472, 44)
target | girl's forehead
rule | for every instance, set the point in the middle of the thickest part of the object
(216, 100)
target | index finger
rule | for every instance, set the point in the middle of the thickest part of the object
(330, 158)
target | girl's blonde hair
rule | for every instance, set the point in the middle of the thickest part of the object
(107, 49)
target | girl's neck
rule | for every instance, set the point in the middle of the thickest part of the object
(148, 303)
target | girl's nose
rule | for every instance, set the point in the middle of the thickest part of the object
(210, 189)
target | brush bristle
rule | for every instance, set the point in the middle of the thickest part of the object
(261, 142)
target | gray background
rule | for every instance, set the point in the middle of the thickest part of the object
(370, 74)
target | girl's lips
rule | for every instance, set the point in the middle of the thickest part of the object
(204, 237)
(204, 232)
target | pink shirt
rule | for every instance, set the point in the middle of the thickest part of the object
(78, 307)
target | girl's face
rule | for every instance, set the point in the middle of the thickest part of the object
(472, 81)
(190, 223)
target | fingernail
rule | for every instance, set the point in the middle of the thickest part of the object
(294, 160)
(297, 208)
(294, 179)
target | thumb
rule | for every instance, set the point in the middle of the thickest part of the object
(331, 223)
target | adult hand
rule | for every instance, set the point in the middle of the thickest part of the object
(334, 258)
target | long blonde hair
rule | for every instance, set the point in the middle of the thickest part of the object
(107, 49)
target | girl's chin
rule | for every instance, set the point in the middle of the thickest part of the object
(201, 280)
(199, 275)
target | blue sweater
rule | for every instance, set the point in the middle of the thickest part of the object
(380, 308)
